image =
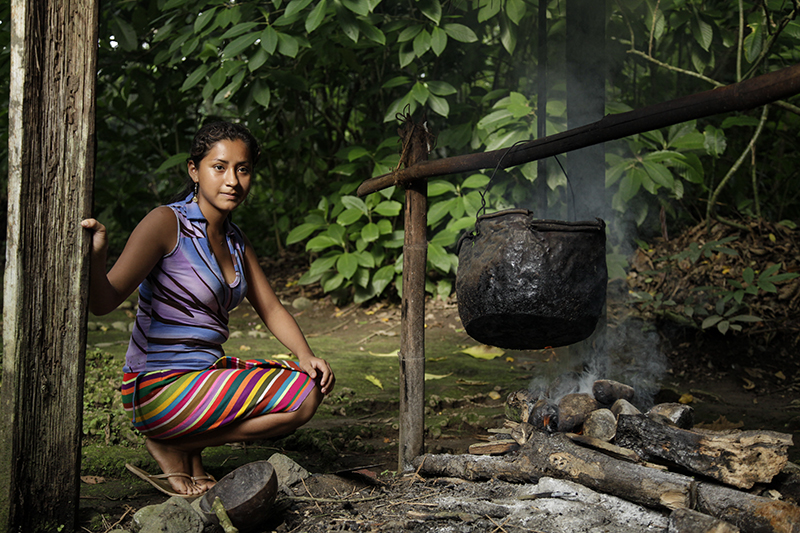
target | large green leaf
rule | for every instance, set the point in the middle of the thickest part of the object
(316, 16)
(460, 33)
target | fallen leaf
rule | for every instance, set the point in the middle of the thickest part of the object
(748, 385)
(429, 377)
(494, 395)
(375, 381)
(390, 354)
(484, 352)
(244, 348)
(780, 375)
(93, 480)
(509, 359)
(436, 359)
(686, 399)
(468, 382)
(281, 356)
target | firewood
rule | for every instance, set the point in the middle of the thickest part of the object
(555, 456)
(746, 511)
(544, 416)
(677, 414)
(608, 391)
(600, 424)
(493, 447)
(741, 458)
(518, 405)
(687, 521)
(573, 409)
(613, 450)
(521, 433)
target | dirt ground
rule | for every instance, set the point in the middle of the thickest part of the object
(730, 381)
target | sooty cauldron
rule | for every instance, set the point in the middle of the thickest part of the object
(524, 283)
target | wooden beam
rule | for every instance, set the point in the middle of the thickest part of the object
(736, 97)
(51, 173)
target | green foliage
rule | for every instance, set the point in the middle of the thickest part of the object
(104, 418)
(321, 82)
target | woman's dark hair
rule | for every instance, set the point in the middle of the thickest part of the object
(212, 133)
(207, 137)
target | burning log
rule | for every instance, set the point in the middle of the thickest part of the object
(556, 456)
(608, 391)
(740, 459)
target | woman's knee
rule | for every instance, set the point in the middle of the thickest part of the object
(309, 406)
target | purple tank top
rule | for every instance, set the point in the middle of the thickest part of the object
(184, 302)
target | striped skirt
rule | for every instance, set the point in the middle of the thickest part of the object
(167, 404)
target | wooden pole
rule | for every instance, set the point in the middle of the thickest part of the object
(51, 172)
(416, 145)
(736, 97)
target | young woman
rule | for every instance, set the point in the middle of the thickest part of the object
(192, 266)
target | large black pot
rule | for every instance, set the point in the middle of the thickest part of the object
(524, 283)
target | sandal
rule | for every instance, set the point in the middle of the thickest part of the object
(161, 481)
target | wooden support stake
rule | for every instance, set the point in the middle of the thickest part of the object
(412, 335)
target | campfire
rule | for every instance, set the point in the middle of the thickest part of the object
(708, 480)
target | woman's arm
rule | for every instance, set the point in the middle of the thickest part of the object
(281, 323)
(154, 237)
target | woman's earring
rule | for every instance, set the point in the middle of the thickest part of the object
(196, 188)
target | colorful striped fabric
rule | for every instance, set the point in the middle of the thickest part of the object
(178, 403)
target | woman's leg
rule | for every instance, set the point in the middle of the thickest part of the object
(172, 460)
(183, 454)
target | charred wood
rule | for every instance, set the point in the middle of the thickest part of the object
(556, 456)
(741, 459)
(748, 512)
(518, 405)
(688, 521)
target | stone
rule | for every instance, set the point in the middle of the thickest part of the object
(302, 303)
(624, 407)
(600, 424)
(176, 515)
(287, 471)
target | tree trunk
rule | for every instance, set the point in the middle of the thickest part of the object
(51, 159)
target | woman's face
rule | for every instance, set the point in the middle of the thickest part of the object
(223, 176)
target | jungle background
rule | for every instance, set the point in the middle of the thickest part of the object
(701, 216)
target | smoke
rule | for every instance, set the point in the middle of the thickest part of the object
(629, 353)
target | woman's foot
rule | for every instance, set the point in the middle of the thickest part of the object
(200, 477)
(174, 461)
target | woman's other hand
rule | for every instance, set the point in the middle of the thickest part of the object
(99, 235)
(320, 371)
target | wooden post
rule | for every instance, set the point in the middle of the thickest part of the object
(416, 145)
(51, 172)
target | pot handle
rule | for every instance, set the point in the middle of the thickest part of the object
(516, 211)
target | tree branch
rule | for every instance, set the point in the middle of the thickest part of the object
(735, 166)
